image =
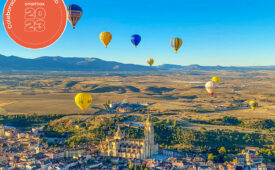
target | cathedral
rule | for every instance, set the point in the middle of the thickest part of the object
(120, 146)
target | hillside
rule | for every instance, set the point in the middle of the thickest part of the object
(8, 63)
(65, 64)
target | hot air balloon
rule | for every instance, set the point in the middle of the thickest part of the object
(105, 38)
(216, 79)
(74, 14)
(150, 61)
(136, 39)
(83, 100)
(253, 104)
(210, 87)
(176, 43)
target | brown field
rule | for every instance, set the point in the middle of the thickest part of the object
(179, 93)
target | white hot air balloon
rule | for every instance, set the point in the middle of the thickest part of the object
(210, 87)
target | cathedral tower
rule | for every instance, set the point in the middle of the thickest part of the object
(149, 138)
(119, 134)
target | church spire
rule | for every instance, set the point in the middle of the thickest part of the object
(148, 121)
(119, 134)
(148, 117)
(149, 138)
(148, 127)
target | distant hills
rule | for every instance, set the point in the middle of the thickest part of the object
(215, 68)
(8, 63)
(66, 64)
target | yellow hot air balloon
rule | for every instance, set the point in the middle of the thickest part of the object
(253, 104)
(150, 61)
(216, 79)
(83, 100)
(105, 38)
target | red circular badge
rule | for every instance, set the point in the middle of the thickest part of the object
(35, 23)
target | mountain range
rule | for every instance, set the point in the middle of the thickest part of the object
(94, 64)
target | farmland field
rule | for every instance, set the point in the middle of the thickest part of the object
(173, 95)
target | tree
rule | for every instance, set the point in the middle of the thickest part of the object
(235, 161)
(210, 157)
(108, 160)
(222, 150)
(71, 145)
(175, 123)
(130, 165)
(142, 167)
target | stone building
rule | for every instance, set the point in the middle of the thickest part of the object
(2, 131)
(121, 146)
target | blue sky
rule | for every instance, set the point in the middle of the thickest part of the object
(214, 32)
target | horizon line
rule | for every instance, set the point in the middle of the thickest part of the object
(140, 64)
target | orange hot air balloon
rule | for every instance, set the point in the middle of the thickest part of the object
(105, 38)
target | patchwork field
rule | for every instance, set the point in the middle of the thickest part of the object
(174, 95)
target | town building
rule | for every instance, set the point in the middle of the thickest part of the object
(2, 131)
(252, 157)
(124, 107)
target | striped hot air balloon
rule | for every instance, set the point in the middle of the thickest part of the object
(176, 43)
(74, 14)
(150, 61)
(105, 38)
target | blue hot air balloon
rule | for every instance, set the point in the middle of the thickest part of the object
(74, 14)
(136, 39)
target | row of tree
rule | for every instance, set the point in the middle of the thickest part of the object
(27, 120)
(233, 121)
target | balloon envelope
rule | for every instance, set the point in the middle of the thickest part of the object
(135, 39)
(216, 79)
(176, 43)
(74, 13)
(253, 104)
(83, 100)
(105, 38)
(210, 87)
(150, 61)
